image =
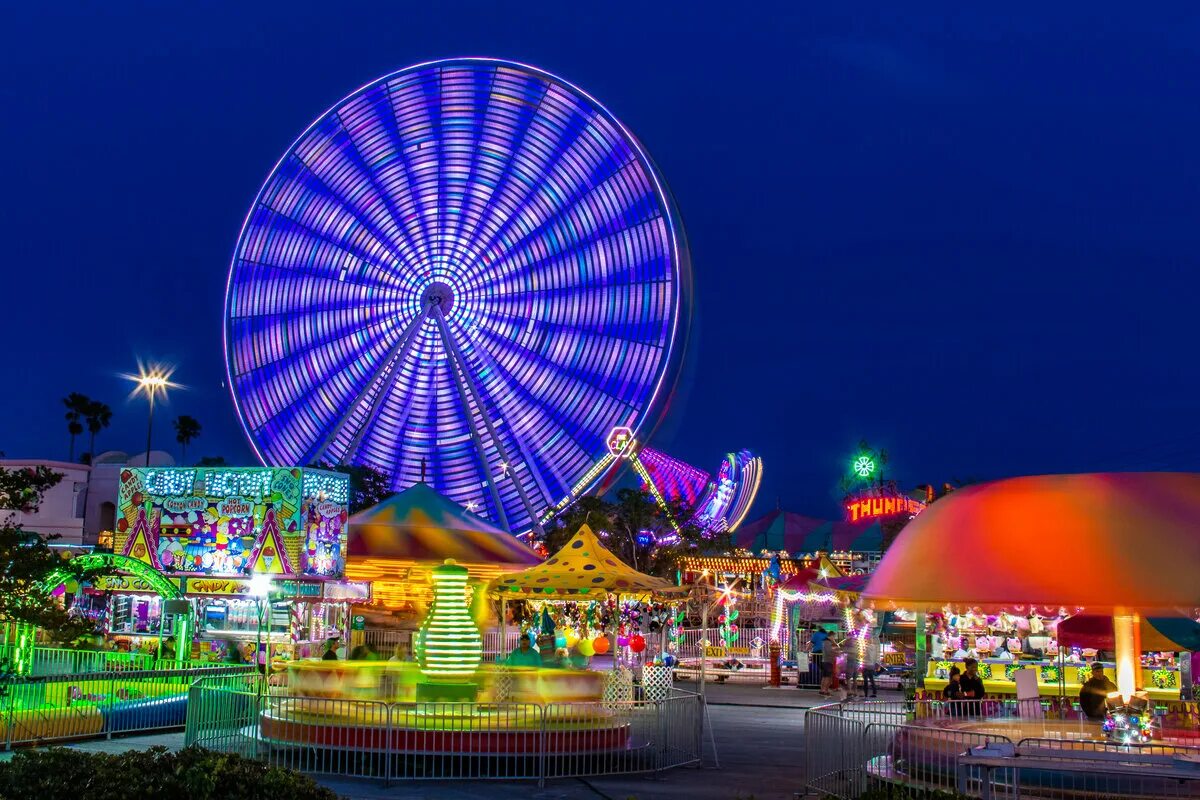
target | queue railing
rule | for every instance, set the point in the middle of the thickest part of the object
(982, 749)
(41, 709)
(442, 741)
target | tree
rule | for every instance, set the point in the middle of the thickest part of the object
(76, 404)
(26, 560)
(368, 487)
(638, 531)
(98, 416)
(186, 429)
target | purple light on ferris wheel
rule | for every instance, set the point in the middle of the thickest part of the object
(715, 504)
(467, 270)
(675, 479)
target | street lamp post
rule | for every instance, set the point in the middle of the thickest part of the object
(260, 590)
(151, 383)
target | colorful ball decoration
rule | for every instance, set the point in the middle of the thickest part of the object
(560, 640)
(572, 639)
(637, 643)
(585, 648)
(669, 660)
(622, 640)
(600, 645)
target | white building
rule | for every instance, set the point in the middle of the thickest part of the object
(84, 502)
(61, 511)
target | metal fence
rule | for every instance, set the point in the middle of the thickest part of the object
(981, 749)
(49, 708)
(440, 741)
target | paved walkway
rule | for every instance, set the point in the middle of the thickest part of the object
(759, 738)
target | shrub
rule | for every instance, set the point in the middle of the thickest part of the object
(191, 774)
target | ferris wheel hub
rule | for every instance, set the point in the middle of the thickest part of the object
(438, 295)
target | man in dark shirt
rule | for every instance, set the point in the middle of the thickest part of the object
(972, 687)
(1094, 693)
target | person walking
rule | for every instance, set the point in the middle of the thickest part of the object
(828, 665)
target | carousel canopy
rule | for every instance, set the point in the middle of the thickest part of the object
(783, 530)
(1101, 542)
(583, 569)
(419, 524)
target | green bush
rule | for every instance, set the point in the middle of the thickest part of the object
(191, 774)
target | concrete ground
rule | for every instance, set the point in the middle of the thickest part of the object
(759, 740)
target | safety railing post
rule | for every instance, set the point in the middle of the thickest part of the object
(8, 726)
(108, 699)
(700, 720)
(542, 747)
(387, 746)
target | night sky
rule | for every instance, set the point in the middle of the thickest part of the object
(969, 236)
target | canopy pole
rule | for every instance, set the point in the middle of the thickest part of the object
(922, 657)
(703, 639)
(1127, 643)
(615, 621)
(503, 630)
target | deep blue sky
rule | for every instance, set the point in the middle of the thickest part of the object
(967, 235)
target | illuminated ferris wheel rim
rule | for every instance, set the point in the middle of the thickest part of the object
(651, 410)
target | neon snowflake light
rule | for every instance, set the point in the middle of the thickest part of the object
(864, 466)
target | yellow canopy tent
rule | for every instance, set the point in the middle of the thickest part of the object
(584, 569)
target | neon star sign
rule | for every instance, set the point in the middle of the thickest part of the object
(863, 466)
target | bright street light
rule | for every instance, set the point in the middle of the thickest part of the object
(152, 382)
(260, 584)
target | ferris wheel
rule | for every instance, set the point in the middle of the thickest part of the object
(467, 272)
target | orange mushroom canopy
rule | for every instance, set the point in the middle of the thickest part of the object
(1106, 542)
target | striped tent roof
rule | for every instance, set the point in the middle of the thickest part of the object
(783, 530)
(419, 524)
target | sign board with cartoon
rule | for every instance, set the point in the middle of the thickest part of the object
(222, 521)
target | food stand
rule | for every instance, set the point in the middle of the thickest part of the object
(211, 531)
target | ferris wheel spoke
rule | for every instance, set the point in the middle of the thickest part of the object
(370, 125)
(618, 364)
(532, 158)
(497, 441)
(327, 216)
(473, 430)
(336, 159)
(603, 219)
(397, 361)
(302, 416)
(355, 419)
(285, 246)
(584, 182)
(506, 401)
(558, 396)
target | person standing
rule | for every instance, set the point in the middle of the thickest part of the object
(972, 686)
(331, 648)
(870, 666)
(1093, 695)
(828, 665)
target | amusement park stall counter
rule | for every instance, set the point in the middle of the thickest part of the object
(210, 531)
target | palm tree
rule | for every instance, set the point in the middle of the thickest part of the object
(77, 405)
(98, 416)
(186, 429)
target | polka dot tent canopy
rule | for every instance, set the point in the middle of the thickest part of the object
(583, 568)
(469, 268)
(1100, 542)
